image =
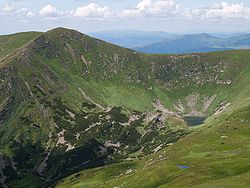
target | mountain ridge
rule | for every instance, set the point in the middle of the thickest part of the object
(70, 102)
(197, 43)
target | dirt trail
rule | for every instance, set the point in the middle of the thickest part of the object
(89, 99)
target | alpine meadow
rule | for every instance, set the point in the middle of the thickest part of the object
(80, 112)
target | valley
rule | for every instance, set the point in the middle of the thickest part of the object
(76, 111)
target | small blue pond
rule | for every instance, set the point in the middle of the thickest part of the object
(182, 166)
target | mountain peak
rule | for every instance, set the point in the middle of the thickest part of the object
(63, 32)
(60, 29)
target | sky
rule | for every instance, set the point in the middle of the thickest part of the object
(173, 16)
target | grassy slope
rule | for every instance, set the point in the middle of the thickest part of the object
(217, 154)
(33, 80)
(53, 61)
(9, 43)
(113, 80)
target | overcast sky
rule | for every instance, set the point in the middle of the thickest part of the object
(175, 16)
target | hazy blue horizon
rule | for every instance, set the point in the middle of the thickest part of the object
(146, 31)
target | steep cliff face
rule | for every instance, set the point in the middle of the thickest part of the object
(70, 102)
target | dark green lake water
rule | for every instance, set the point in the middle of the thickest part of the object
(194, 121)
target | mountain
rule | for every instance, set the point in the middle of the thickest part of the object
(229, 34)
(78, 111)
(133, 38)
(197, 43)
(166, 43)
(10, 43)
(241, 41)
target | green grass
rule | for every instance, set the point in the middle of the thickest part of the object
(217, 155)
(52, 66)
(9, 43)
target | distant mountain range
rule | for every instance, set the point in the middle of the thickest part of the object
(133, 38)
(161, 42)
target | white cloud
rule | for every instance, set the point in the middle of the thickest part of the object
(26, 13)
(152, 8)
(222, 11)
(50, 12)
(91, 10)
(30, 14)
(225, 10)
(8, 8)
(21, 14)
(168, 9)
(144, 9)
